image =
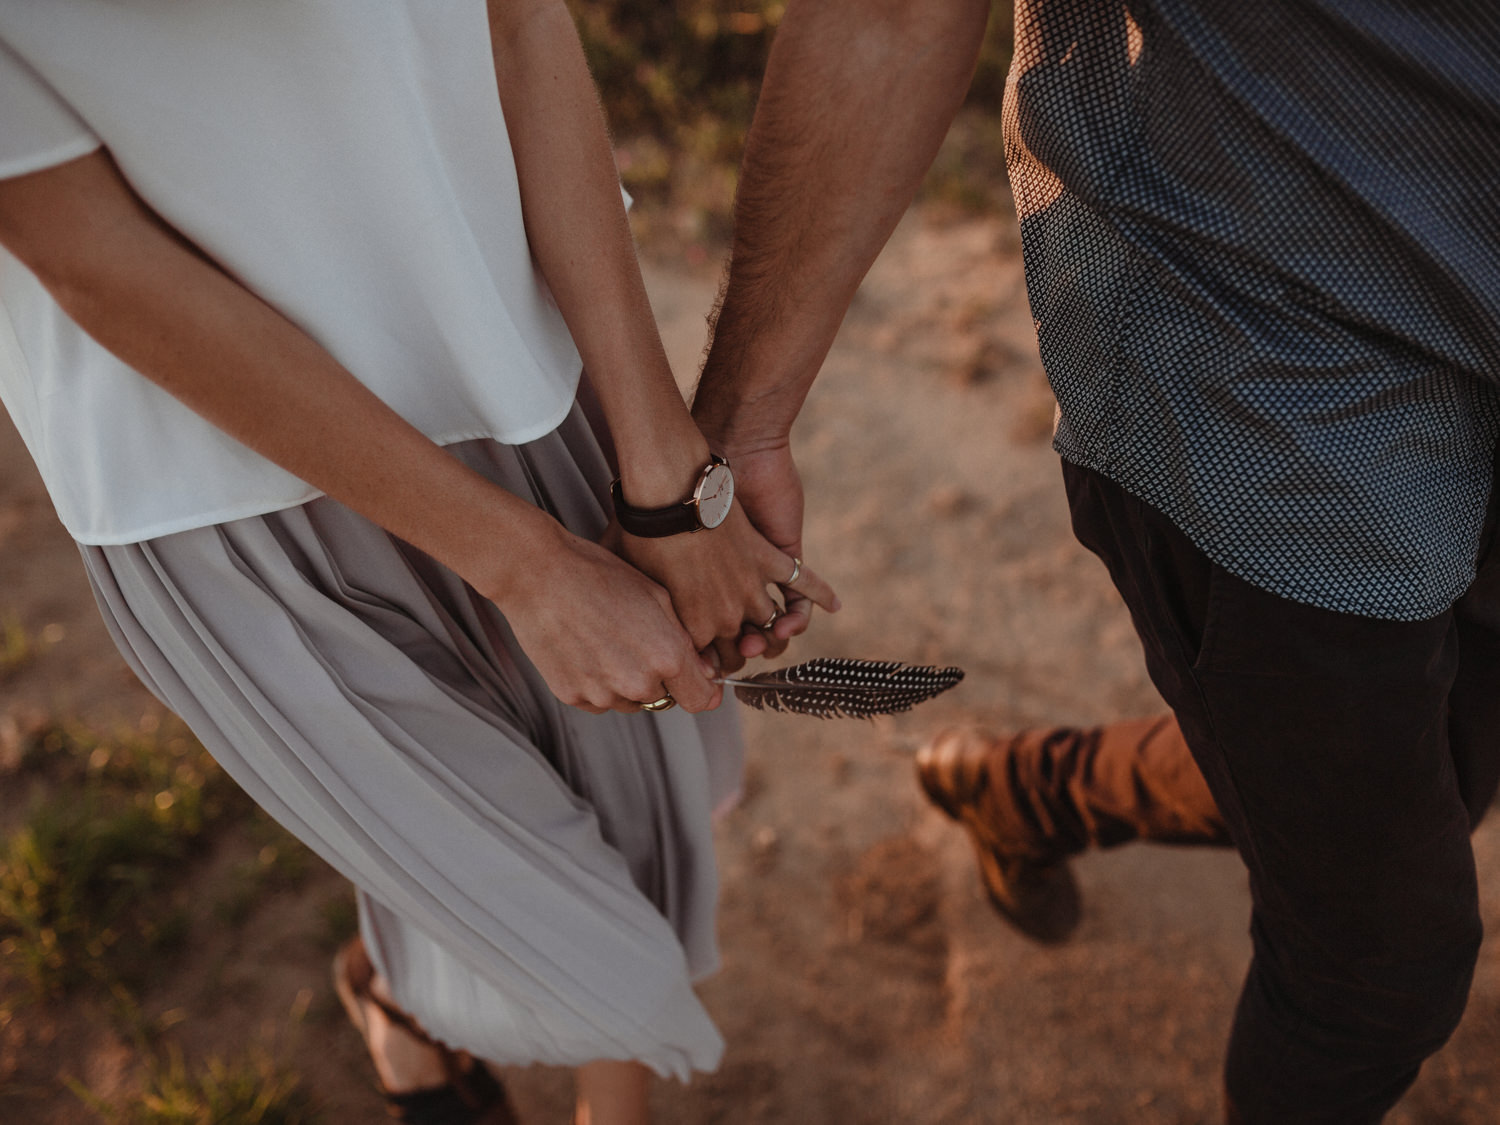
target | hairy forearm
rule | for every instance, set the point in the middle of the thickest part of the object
(576, 224)
(146, 295)
(858, 95)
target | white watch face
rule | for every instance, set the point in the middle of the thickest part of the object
(715, 493)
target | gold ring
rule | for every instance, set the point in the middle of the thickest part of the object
(796, 572)
(766, 628)
(665, 703)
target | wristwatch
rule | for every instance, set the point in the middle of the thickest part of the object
(707, 507)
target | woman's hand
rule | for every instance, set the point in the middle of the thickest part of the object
(719, 581)
(602, 634)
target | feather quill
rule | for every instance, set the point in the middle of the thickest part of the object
(833, 686)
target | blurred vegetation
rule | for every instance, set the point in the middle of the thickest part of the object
(249, 1090)
(679, 83)
(281, 862)
(92, 899)
(78, 878)
(16, 647)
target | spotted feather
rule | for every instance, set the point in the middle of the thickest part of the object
(837, 686)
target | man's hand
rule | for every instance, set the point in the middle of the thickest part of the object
(769, 490)
(719, 581)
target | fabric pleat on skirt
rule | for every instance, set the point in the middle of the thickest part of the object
(537, 883)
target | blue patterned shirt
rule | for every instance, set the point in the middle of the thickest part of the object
(1262, 243)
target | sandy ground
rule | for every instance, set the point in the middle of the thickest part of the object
(865, 979)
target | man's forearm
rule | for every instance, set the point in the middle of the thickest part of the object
(857, 97)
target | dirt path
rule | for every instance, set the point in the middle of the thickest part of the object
(865, 980)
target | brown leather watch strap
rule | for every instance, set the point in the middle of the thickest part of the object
(658, 523)
(655, 523)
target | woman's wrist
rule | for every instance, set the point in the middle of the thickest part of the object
(655, 473)
(498, 543)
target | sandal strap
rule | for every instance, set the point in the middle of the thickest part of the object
(476, 1087)
(473, 1098)
(470, 1096)
(359, 971)
(440, 1105)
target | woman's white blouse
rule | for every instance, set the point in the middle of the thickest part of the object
(346, 160)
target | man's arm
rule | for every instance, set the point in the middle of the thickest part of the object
(857, 97)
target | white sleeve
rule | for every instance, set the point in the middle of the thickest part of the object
(37, 128)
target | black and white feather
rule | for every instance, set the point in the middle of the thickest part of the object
(832, 686)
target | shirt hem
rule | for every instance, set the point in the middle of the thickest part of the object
(1417, 609)
(50, 158)
(264, 506)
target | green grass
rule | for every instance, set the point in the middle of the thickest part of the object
(339, 921)
(252, 1089)
(16, 647)
(81, 880)
(86, 897)
(281, 863)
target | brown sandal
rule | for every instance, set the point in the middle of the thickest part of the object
(470, 1096)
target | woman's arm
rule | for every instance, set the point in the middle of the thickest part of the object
(577, 228)
(602, 634)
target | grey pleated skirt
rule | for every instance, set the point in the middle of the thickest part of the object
(537, 883)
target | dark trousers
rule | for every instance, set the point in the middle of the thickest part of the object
(1349, 758)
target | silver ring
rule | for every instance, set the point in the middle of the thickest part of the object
(796, 572)
(775, 615)
(665, 703)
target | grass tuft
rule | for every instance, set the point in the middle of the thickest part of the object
(281, 863)
(16, 647)
(249, 1090)
(77, 879)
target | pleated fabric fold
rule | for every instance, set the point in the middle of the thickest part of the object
(537, 883)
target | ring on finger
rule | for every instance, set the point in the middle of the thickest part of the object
(796, 572)
(775, 615)
(665, 703)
